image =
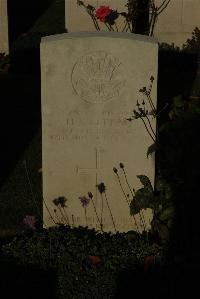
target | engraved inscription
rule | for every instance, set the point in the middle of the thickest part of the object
(108, 126)
(98, 77)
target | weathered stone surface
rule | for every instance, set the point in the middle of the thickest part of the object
(176, 23)
(90, 85)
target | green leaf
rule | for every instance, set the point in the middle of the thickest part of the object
(178, 101)
(145, 182)
(167, 214)
(134, 208)
(151, 149)
(142, 200)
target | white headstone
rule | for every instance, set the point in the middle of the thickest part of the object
(77, 19)
(4, 46)
(90, 85)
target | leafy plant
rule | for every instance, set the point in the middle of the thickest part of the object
(4, 62)
(193, 44)
(86, 263)
(160, 200)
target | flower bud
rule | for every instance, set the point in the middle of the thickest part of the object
(115, 170)
(121, 165)
(90, 195)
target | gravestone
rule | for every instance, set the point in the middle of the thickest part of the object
(77, 18)
(90, 86)
(4, 46)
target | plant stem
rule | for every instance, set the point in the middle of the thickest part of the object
(101, 211)
(96, 214)
(58, 220)
(125, 26)
(110, 212)
(122, 189)
(86, 216)
(49, 211)
(150, 101)
(66, 215)
(148, 130)
(116, 27)
(151, 127)
(141, 216)
(32, 193)
(62, 215)
(73, 220)
(127, 201)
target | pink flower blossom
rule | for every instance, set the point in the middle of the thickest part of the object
(30, 221)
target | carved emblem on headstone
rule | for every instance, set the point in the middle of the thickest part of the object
(98, 77)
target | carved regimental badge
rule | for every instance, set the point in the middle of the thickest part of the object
(98, 77)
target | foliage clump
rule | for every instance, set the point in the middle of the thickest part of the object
(86, 263)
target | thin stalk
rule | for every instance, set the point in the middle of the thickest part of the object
(33, 195)
(96, 214)
(150, 101)
(122, 189)
(110, 212)
(86, 216)
(165, 3)
(125, 26)
(148, 130)
(142, 219)
(101, 211)
(151, 126)
(127, 182)
(126, 198)
(153, 23)
(73, 220)
(66, 215)
(116, 27)
(95, 22)
(49, 211)
(129, 27)
(107, 26)
(58, 220)
(62, 215)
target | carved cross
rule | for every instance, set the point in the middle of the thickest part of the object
(96, 170)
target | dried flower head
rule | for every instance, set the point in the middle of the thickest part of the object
(84, 201)
(80, 2)
(90, 195)
(143, 89)
(115, 170)
(60, 201)
(129, 119)
(121, 165)
(101, 187)
(152, 79)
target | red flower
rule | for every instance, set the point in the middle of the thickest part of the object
(149, 261)
(102, 13)
(94, 259)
